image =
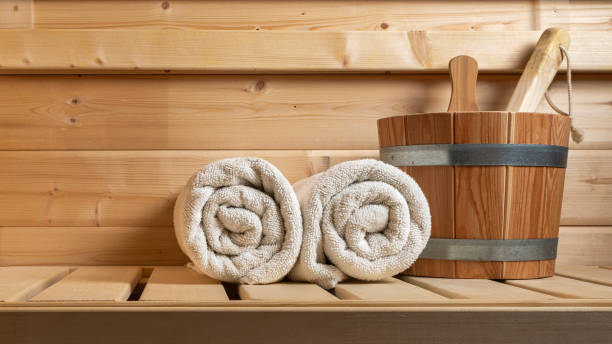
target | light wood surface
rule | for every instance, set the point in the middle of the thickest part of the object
(148, 245)
(474, 289)
(540, 70)
(565, 287)
(243, 52)
(89, 246)
(93, 284)
(19, 283)
(389, 289)
(303, 112)
(179, 283)
(584, 245)
(287, 291)
(302, 15)
(593, 274)
(464, 73)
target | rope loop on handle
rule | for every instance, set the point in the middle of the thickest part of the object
(577, 134)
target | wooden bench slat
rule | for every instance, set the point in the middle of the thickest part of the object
(179, 283)
(565, 287)
(586, 273)
(19, 283)
(285, 291)
(474, 289)
(388, 289)
(104, 283)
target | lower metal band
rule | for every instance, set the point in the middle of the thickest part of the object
(491, 250)
(475, 155)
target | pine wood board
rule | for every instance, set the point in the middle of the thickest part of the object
(244, 52)
(89, 246)
(179, 283)
(584, 246)
(304, 112)
(285, 291)
(125, 188)
(17, 14)
(474, 289)
(565, 287)
(19, 283)
(103, 283)
(292, 15)
(138, 188)
(323, 15)
(389, 289)
(593, 274)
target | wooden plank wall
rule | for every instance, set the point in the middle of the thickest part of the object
(90, 164)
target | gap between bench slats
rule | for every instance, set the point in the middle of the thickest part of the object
(19, 283)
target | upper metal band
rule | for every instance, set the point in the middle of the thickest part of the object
(491, 250)
(475, 155)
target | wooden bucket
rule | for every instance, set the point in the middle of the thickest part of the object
(494, 182)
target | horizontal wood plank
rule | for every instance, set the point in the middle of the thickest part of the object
(298, 325)
(285, 291)
(251, 112)
(292, 15)
(157, 246)
(593, 274)
(103, 283)
(89, 246)
(132, 188)
(210, 51)
(565, 287)
(87, 188)
(474, 289)
(323, 15)
(584, 246)
(179, 283)
(19, 283)
(389, 289)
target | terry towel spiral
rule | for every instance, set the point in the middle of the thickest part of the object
(238, 220)
(364, 219)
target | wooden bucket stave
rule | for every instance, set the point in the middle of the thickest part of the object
(485, 202)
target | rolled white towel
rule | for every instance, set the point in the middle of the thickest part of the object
(367, 218)
(238, 220)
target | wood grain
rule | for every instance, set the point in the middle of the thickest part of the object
(389, 289)
(89, 246)
(248, 52)
(479, 289)
(137, 188)
(540, 70)
(584, 246)
(287, 291)
(565, 287)
(101, 283)
(124, 188)
(303, 112)
(435, 181)
(464, 73)
(179, 283)
(17, 14)
(292, 15)
(19, 283)
(324, 15)
(480, 190)
(593, 274)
